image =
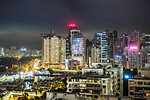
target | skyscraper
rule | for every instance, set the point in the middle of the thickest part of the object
(88, 49)
(78, 48)
(145, 46)
(145, 40)
(53, 49)
(123, 42)
(75, 44)
(72, 29)
(95, 52)
(112, 45)
(134, 55)
(134, 38)
(100, 41)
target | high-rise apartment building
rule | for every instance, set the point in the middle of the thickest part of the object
(53, 49)
(95, 52)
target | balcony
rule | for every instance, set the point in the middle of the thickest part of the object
(93, 88)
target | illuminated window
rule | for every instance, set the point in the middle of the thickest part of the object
(140, 83)
(131, 88)
(131, 93)
(146, 83)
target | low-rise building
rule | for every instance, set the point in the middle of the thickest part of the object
(139, 88)
(60, 96)
(110, 97)
(116, 75)
(89, 86)
(144, 72)
(99, 80)
(75, 96)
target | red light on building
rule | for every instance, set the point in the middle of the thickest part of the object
(72, 25)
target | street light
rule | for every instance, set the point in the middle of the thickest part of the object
(116, 56)
(126, 76)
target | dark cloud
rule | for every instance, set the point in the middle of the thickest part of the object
(20, 19)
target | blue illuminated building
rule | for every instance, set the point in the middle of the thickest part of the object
(72, 30)
(78, 48)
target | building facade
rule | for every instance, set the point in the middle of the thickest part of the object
(112, 45)
(88, 52)
(78, 48)
(134, 55)
(95, 52)
(89, 85)
(97, 81)
(75, 45)
(100, 41)
(139, 88)
(123, 42)
(53, 49)
(72, 29)
(145, 46)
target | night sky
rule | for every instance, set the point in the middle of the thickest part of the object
(22, 21)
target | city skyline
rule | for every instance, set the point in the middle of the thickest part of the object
(23, 22)
(74, 50)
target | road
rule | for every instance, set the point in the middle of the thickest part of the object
(36, 64)
(7, 96)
